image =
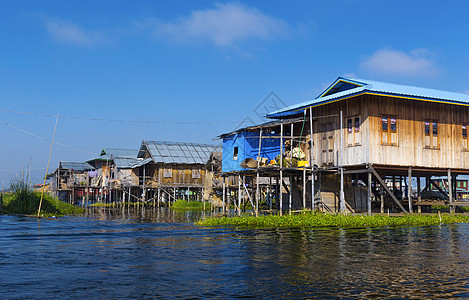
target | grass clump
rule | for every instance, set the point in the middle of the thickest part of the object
(316, 219)
(23, 200)
(28, 204)
(190, 205)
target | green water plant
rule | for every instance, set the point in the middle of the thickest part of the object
(23, 200)
(190, 205)
(317, 219)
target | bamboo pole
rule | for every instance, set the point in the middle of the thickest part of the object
(311, 156)
(450, 192)
(239, 195)
(409, 189)
(47, 169)
(281, 171)
(342, 196)
(304, 187)
(368, 202)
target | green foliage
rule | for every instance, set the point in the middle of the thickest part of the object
(310, 219)
(28, 204)
(23, 200)
(436, 208)
(190, 205)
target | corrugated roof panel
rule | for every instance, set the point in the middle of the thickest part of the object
(76, 166)
(122, 153)
(370, 86)
(181, 153)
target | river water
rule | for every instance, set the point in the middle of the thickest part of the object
(111, 254)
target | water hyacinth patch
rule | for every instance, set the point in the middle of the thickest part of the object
(190, 205)
(316, 219)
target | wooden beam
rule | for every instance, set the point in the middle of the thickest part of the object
(437, 187)
(383, 184)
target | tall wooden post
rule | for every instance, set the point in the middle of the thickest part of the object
(281, 170)
(269, 192)
(311, 160)
(342, 196)
(419, 198)
(144, 191)
(290, 194)
(304, 187)
(239, 195)
(409, 189)
(450, 192)
(369, 193)
(258, 194)
(224, 194)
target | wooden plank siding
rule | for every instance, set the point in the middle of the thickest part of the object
(446, 151)
(181, 175)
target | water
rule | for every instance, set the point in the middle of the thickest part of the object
(117, 254)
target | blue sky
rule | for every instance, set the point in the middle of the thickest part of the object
(196, 69)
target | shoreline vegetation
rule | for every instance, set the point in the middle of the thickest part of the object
(318, 219)
(191, 205)
(27, 203)
(24, 201)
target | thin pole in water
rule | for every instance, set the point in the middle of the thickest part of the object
(47, 170)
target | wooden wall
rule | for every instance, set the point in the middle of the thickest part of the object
(413, 147)
(176, 175)
(409, 144)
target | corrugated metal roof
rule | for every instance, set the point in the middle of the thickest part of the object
(262, 125)
(121, 153)
(76, 166)
(347, 87)
(177, 152)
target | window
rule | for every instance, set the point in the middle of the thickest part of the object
(167, 173)
(389, 131)
(431, 134)
(464, 137)
(195, 174)
(235, 153)
(353, 131)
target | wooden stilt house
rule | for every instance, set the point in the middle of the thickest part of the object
(117, 174)
(178, 170)
(71, 180)
(373, 145)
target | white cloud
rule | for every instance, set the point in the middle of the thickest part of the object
(69, 33)
(225, 25)
(418, 62)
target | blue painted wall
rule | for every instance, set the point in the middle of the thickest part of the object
(248, 147)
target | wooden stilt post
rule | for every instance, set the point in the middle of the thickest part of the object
(450, 192)
(281, 170)
(269, 192)
(419, 197)
(409, 189)
(277, 195)
(304, 187)
(224, 194)
(239, 195)
(311, 160)
(257, 173)
(290, 194)
(342, 196)
(382, 201)
(290, 179)
(368, 204)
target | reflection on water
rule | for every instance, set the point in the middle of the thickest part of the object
(161, 254)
